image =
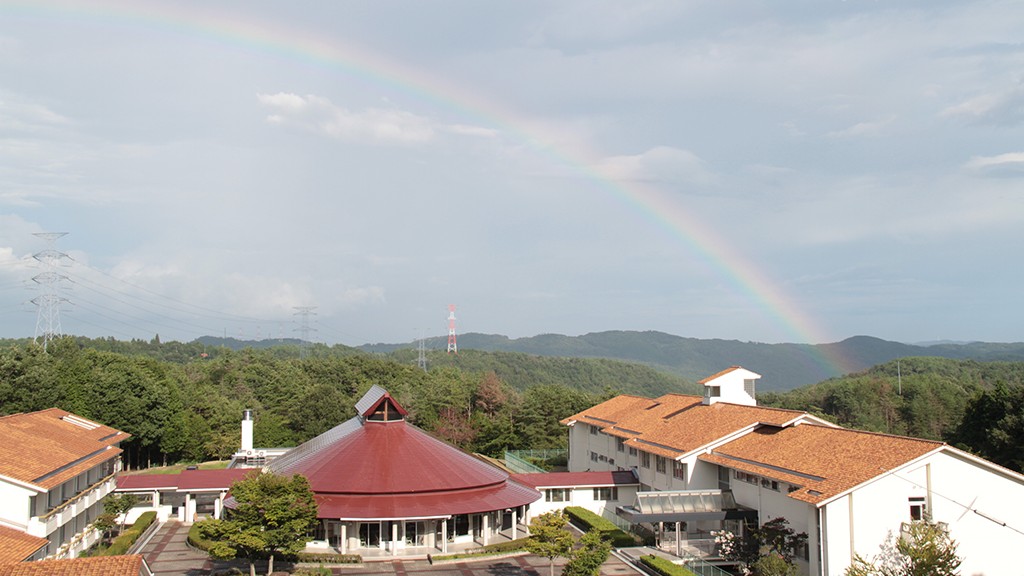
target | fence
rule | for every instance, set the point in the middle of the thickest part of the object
(530, 461)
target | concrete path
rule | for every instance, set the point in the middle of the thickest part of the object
(168, 554)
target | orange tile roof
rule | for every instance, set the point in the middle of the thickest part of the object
(48, 447)
(133, 565)
(675, 424)
(825, 462)
(722, 373)
(16, 545)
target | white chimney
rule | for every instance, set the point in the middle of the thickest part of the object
(247, 430)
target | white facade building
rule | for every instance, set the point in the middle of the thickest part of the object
(599, 492)
(55, 468)
(848, 490)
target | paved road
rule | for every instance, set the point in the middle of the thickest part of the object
(169, 555)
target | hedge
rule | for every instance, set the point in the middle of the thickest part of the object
(197, 541)
(328, 558)
(586, 520)
(495, 549)
(664, 567)
(122, 543)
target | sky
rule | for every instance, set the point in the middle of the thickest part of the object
(800, 171)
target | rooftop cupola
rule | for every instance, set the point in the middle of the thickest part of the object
(735, 385)
(377, 405)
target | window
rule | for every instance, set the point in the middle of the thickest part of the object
(769, 484)
(645, 459)
(606, 493)
(632, 451)
(918, 508)
(659, 464)
(593, 430)
(679, 470)
(713, 391)
(748, 386)
(556, 495)
(620, 445)
(593, 456)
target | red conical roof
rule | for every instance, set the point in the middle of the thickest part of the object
(392, 469)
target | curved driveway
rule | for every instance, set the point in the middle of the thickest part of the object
(168, 555)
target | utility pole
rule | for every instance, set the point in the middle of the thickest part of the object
(421, 359)
(48, 301)
(304, 312)
(452, 346)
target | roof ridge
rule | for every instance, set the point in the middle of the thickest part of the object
(882, 434)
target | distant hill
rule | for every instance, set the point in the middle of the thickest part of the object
(783, 366)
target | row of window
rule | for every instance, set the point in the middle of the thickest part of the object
(767, 483)
(610, 493)
(660, 462)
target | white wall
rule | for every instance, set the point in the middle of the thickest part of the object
(859, 523)
(14, 501)
(584, 498)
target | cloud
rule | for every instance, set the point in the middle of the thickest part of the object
(1010, 164)
(662, 164)
(1004, 107)
(870, 128)
(318, 114)
(19, 114)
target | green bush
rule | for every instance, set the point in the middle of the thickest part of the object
(318, 571)
(122, 543)
(664, 567)
(196, 539)
(586, 520)
(328, 558)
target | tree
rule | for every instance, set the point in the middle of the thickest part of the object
(773, 565)
(754, 552)
(924, 549)
(118, 505)
(271, 515)
(587, 559)
(548, 537)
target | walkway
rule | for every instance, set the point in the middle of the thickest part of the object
(168, 555)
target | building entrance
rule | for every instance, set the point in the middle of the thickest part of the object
(369, 534)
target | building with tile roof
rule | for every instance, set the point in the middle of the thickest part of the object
(706, 464)
(382, 484)
(55, 467)
(16, 545)
(128, 565)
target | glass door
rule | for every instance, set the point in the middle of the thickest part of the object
(369, 534)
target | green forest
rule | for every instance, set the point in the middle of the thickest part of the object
(183, 402)
(975, 406)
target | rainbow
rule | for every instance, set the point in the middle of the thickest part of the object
(276, 39)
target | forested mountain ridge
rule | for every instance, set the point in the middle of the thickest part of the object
(184, 401)
(188, 407)
(782, 366)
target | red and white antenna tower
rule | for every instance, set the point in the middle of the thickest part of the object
(452, 346)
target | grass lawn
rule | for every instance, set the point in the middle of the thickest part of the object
(176, 468)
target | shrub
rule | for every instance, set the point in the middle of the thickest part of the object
(586, 520)
(328, 558)
(318, 571)
(122, 543)
(664, 567)
(196, 538)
